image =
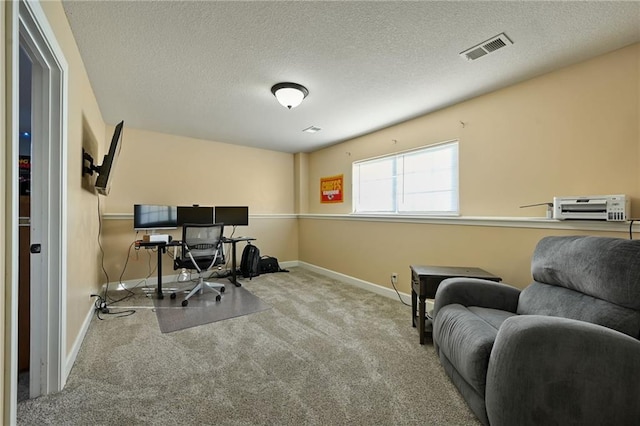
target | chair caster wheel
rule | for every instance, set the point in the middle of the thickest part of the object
(218, 298)
(185, 302)
(222, 289)
(173, 295)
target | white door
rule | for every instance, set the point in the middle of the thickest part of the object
(31, 30)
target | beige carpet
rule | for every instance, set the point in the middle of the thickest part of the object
(326, 353)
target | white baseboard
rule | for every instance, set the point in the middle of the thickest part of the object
(142, 282)
(366, 285)
(75, 348)
(289, 264)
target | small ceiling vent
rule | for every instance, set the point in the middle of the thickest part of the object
(312, 129)
(486, 47)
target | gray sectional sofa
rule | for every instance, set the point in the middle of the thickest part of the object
(563, 351)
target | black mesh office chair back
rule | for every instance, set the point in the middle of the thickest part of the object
(201, 251)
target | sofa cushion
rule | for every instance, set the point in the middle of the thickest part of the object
(465, 336)
(605, 268)
(544, 299)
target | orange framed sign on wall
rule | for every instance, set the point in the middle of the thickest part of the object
(331, 189)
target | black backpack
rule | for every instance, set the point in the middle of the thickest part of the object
(269, 264)
(250, 260)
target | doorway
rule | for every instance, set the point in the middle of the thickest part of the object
(24, 225)
(46, 208)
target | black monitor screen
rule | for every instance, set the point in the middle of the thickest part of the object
(195, 214)
(146, 216)
(105, 173)
(232, 215)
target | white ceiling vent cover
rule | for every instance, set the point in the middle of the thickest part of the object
(486, 47)
(312, 129)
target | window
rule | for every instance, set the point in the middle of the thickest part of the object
(422, 181)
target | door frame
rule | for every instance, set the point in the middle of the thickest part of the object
(49, 202)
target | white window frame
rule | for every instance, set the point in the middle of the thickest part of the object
(392, 177)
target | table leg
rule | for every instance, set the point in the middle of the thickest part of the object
(160, 251)
(233, 265)
(421, 318)
(414, 300)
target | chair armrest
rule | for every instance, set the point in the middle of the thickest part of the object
(476, 292)
(549, 370)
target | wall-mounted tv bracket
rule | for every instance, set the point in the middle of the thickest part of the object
(90, 168)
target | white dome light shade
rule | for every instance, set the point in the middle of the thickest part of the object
(290, 95)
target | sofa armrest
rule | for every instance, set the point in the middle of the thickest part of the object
(476, 292)
(549, 370)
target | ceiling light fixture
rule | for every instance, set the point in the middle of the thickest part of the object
(290, 95)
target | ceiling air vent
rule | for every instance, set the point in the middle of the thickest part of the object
(312, 129)
(486, 47)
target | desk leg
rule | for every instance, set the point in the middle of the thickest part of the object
(233, 279)
(421, 318)
(160, 251)
(414, 300)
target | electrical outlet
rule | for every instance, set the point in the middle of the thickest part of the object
(394, 277)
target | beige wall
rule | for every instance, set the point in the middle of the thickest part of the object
(571, 132)
(155, 168)
(637, 103)
(82, 206)
(376, 249)
(301, 182)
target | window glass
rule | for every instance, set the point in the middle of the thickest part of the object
(423, 181)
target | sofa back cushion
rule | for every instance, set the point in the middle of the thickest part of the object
(595, 279)
(605, 268)
(544, 299)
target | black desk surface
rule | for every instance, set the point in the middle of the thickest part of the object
(171, 243)
(236, 239)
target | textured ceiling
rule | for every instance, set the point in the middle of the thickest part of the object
(205, 69)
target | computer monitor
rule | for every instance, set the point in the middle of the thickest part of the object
(232, 215)
(195, 214)
(147, 217)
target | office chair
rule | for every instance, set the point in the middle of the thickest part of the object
(201, 251)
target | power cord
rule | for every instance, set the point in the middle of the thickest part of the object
(101, 306)
(397, 292)
(130, 293)
(103, 298)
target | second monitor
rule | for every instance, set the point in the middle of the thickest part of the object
(194, 214)
(232, 215)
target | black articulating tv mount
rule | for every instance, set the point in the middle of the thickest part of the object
(88, 170)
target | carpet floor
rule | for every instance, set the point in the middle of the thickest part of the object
(326, 353)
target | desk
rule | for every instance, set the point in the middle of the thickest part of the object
(234, 241)
(424, 284)
(162, 248)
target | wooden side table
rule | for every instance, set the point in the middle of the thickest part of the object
(425, 281)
